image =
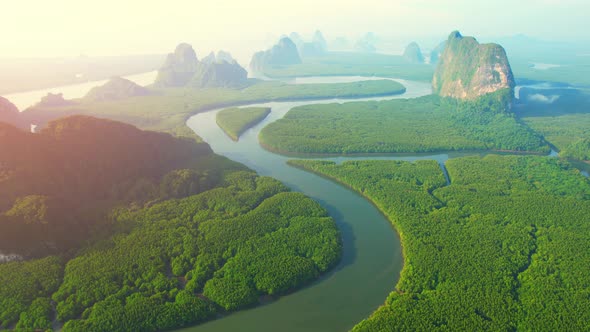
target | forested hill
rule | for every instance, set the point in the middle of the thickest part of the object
(142, 231)
(55, 183)
(468, 69)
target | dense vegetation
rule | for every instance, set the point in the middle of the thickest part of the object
(423, 124)
(57, 186)
(503, 247)
(168, 109)
(26, 291)
(561, 115)
(149, 232)
(229, 245)
(232, 244)
(235, 121)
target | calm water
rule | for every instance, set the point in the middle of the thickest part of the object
(22, 100)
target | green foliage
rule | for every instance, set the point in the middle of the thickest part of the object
(235, 121)
(565, 121)
(503, 247)
(423, 124)
(31, 209)
(579, 149)
(37, 317)
(233, 243)
(25, 289)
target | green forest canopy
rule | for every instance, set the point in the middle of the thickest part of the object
(425, 124)
(503, 247)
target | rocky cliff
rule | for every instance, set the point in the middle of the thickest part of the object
(413, 53)
(468, 69)
(182, 68)
(219, 70)
(179, 67)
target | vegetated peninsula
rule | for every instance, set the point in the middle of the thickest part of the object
(425, 124)
(413, 53)
(182, 68)
(468, 69)
(283, 53)
(129, 230)
(235, 121)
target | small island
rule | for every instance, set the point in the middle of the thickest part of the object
(235, 121)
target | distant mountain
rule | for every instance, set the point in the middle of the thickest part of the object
(283, 53)
(219, 70)
(116, 88)
(468, 69)
(179, 67)
(10, 114)
(314, 48)
(182, 68)
(318, 39)
(53, 100)
(413, 53)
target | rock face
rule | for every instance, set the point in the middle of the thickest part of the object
(467, 69)
(283, 53)
(219, 70)
(413, 53)
(10, 114)
(182, 68)
(179, 67)
(116, 88)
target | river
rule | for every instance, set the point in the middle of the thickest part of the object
(372, 258)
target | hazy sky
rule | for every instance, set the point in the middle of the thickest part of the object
(110, 27)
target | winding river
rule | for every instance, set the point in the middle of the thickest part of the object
(372, 258)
